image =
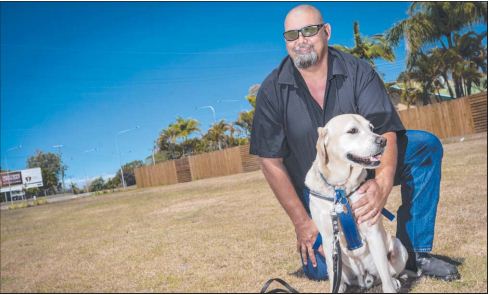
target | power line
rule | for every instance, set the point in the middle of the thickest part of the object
(141, 52)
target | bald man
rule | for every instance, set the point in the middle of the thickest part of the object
(312, 84)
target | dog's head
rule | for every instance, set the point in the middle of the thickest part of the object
(350, 139)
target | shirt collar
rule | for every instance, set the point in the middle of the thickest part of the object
(287, 68)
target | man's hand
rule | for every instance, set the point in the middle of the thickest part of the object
(306, 234)
(377, 190)
(369, 207)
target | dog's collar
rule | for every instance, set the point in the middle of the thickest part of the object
(340, 187)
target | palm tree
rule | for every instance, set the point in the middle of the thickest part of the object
(217, 133)
(186, 127)
(244, 121)
(167, 141)
(471, 63)
(435, 22)
(432, 23)
(245, 118)
(426, 70)
(369, 48)
(410, 94)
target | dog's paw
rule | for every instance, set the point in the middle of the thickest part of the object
(342, 288)
(396, 284)
(368, 281)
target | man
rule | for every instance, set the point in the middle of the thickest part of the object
(313, 84)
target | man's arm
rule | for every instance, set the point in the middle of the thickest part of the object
(377, 190)
(306, 231)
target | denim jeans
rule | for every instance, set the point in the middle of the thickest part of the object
(419, 174)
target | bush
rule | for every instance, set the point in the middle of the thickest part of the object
(25, 204)
(40, 201)
(19, 205)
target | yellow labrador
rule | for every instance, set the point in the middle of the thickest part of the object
(346, 147)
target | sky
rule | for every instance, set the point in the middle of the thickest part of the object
(75, 74)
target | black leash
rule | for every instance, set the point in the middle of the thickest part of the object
(337, 254)
(337, 267)
(278, 290)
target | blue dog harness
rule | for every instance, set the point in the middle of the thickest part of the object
(343, 213)
(347, 222)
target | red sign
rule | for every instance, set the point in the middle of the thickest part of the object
(11, 178)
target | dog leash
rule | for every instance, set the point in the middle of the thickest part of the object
(278, 290)
(337, 255)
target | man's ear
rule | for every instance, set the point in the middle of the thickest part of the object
(328, 30)
(321, 145)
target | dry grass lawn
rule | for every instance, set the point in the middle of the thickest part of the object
(226, 234)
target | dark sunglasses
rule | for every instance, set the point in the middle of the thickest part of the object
(307, 31)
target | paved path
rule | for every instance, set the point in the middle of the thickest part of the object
(51, 199)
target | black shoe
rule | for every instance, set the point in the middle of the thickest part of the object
(428, 265)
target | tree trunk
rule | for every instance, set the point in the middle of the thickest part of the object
(438, 97)
(449, 40)
(446, 80)
(468, 87)
(457, 85)
(425, 97)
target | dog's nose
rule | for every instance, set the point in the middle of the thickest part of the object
(381, 141)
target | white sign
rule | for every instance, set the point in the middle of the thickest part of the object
(32, 178)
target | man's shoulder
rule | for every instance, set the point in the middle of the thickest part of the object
(270, 87)
(273, 78)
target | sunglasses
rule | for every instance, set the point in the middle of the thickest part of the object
(307, 31)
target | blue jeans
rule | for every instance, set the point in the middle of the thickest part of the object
(419, 174)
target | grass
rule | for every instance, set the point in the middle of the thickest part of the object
(226, 234)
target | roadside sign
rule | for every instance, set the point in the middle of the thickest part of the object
(11, 178)
(32, 178)
(23, 179)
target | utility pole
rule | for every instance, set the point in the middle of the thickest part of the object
(119, 154)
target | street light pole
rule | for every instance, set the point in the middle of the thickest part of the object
(119, 154)
(214, 119)
(212, 110)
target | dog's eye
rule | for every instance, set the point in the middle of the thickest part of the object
(353, 130)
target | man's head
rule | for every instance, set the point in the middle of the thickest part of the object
(306, 51)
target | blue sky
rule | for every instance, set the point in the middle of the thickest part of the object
(74, 74)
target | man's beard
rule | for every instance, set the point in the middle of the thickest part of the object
(304, 60)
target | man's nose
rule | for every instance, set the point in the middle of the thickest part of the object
(381, 141)
(301, 38)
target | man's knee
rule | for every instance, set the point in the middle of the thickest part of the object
(320, 271)
(426, 143)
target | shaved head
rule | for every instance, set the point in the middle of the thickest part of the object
(310, 50)
(305, 13)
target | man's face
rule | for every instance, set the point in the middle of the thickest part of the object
(306, 51)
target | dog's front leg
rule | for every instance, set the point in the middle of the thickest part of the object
(379, 252)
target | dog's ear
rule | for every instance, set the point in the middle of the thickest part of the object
(321, 144)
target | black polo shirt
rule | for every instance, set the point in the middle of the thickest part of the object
(287, 117)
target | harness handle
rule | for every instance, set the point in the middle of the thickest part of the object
(278, 290)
